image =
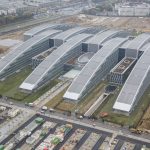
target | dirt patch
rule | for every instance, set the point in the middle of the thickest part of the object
(3, 49)
(145, 122)
(140, 24)
(15, 36)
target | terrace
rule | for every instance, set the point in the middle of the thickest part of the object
(123, 65)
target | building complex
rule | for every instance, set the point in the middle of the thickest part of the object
(94, 55)
(94, 71)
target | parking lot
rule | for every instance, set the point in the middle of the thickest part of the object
(42, 132)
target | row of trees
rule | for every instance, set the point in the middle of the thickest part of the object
(14, 18)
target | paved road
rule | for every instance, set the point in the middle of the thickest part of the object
(85, 122)
(65, 139)
(99, 142)
(137, 147)
(10, 126)
(83, 139)
(23, 141)
(50, 132)
(23, 25)
(89, 130)
(119, 145)
(51, 94)
(100, 126)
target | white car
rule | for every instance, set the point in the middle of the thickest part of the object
(11, 103)
(44, 108)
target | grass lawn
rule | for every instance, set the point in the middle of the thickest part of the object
(9, 87)
(88, 100)
(58, 103)
(66, 106)
(56, 100)
(131, 120)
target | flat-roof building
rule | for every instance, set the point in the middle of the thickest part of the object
(95, 70)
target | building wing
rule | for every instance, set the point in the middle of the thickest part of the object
(135, 85)
(17, 58)
(96, 69)
(54, 62)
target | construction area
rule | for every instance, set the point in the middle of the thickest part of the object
(144, 124)
(41, 132)
(139, 24)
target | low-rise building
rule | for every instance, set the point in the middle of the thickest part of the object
(120, 72)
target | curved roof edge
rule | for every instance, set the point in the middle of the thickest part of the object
(90, 69)
(14, 54)
(103, 36)
(52, 59)
(129, 93)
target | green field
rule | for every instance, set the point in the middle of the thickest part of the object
(9, 87)
(58, 103)
(131, 120)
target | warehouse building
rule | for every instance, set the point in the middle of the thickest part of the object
(95, 43)
(53, 65)
(135, 86)
(95, 70)
(22, 55)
